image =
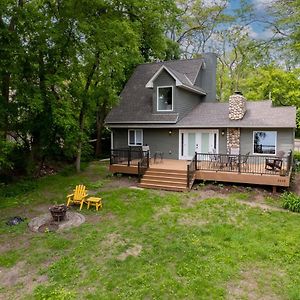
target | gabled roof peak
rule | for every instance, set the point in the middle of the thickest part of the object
(181, 80)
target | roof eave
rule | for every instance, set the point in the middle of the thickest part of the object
(192, 89)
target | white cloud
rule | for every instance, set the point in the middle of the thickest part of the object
(210, 3)
(262, 4)
(259, 35)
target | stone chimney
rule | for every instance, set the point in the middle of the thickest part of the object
(237, 106)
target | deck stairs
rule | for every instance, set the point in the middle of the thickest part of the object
(163, 179)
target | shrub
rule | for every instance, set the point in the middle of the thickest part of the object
(297, 161)
(291, 201)
(296, 155)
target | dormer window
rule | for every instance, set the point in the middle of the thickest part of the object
(165, 98)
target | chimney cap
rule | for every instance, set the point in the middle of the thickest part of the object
(238, 93)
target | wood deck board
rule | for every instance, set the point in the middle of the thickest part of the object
(256, 174)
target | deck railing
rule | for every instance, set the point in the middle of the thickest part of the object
(143, 165)
(191, 170)
(129, 156)
(252, 164)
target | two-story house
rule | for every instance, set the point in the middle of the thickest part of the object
(172, 107)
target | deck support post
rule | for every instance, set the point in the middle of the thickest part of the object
(148, 159)
(129, 157)
(274, 189)
(188, 177)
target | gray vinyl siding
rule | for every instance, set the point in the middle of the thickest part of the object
(161, 140)
(222, 141)
(285, 139)
(156, 139)
(186, 101)
(183, 100)
(206, 78)
(120, 138)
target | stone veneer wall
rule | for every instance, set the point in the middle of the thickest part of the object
(233, 138)
(237, 107)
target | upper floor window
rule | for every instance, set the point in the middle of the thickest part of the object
(264, 142)
(135, 137)
(165, 98)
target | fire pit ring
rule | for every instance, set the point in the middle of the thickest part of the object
(48, 227)
(58, 212)
(72, 219)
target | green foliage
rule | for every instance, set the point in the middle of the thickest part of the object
(296, 155)
(9, 258)
(64, 270)
(282, 86)
(291, 201)
(64, 64)
(53, 292)
(19, 188)
(5, 151)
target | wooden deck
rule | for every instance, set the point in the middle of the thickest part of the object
(250, 174)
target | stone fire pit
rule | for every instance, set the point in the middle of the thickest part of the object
(46, 223)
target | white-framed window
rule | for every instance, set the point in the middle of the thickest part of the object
(165, 98)
(264, 142)
(135, 137)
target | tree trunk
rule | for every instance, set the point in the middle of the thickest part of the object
(83, 110)
(79, 145)
(5, 97)
(99, 136)
(101, 114)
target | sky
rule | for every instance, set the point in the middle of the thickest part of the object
(257, 30)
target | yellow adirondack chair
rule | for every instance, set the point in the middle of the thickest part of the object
(78, 197)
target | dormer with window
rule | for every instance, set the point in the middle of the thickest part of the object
(165, 98)
(175, 92)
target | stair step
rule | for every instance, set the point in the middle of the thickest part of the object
(170, 174)
(163, 182)
(167, 171)
(163, 187)
(159, 177)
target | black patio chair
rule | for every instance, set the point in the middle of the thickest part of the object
(275, 164)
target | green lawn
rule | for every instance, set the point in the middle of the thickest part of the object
(148, 244)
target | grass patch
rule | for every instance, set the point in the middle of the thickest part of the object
(148, 244)
(9, 258)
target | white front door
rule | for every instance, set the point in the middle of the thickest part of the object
(200, 141)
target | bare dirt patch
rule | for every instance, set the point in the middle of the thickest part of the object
(192, 221)
(165, 210)
(20, 275)
(120, 182)
(133, 251)
(8, 244)
(192, 199)
(113, 239)
(262, 206)
(254, 284)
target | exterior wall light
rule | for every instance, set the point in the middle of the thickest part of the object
(223, 132)
(170, 132)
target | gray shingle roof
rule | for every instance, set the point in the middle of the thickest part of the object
(136, 100)
(259, 114)
(135, 105)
